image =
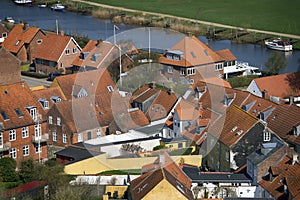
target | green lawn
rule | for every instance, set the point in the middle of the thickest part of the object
(270, 15)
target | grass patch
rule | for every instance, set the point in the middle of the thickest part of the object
(270, 15)
(183, 151)
(25, 67)
(241, 81)
(121, 172)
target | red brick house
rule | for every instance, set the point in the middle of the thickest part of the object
(23, 41)
(10, 71)
(56, 53)
(23, 124)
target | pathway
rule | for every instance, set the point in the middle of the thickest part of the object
(192, 20)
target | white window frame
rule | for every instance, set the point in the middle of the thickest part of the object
(65, 138)
(266, 136)
(170, 69)
(218, 66)
(80, 139)
(191, 71)
(12, 135)
(98, 132)
(37, 131)
(182, 71)
(58, 121)
(13, 153)
(54, 136)
(25, 150)
(33, 113)
(1, 139)
(67, 51)
(50, 120)
(74, 50)
(25, 132)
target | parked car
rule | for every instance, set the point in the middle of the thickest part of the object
(52, 76)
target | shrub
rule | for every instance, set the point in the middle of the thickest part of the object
(241, 81)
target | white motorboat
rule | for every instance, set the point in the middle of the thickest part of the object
(58, 7)
(240, 69)
(279, 44)
(23, 2)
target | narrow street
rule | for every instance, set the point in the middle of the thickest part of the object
(33, 82)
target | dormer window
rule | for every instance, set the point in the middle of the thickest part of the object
(263, 115)
(266, 136)
(44, 102)
(4, 115)
(110, 88)
(228, 98)
(32, 112)
(83, 55)
(55, 99)
(95, 57)
(296, 131)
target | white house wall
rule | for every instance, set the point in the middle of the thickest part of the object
(253, 89)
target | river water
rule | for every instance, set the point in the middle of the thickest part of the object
(78, 24)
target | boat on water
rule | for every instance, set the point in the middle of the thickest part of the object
(23, 2)
(9, 20)
(279, 44)
(240, 68)
(42, 5)
(58, 7)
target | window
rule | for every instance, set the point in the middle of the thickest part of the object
(98, 132)
(13, 153)
(25, 132)
(67, 51)
(110, 88)
(19, 113)
(17, 43)
(1, 140)
(267, 136)
(4, 115)
(50, 120)
(12, 135)
(38, 148)
(89, 135)
(191, 71)
(32, 112)
(25, 150)
(170, 69)
(4, 34)
(37, 130)
(65, 139)
(54, 136)
(58, 121)
(74, 50)
(218, 66)
(44, 102)
(80, 137)
(182, 71)
(39, 41)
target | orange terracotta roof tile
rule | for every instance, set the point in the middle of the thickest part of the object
(17, 96)
(17, 37)
(226, 54)
(195, 53)
(282, 85)
(47, 52)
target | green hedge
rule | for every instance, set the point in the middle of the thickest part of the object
(241, 81)
(33, 74)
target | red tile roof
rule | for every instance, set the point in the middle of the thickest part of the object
(46, 51)
(47, 93)
(282, 85)
(226, 54)
(18, 34)
(195, 53)
(17, 96)
(27, 187)
(94, 82)
(285, 172)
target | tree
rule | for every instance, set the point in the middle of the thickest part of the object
(8, 170)
(275, 63)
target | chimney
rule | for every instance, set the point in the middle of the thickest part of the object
(152, 85)
(295, 159)
(25, 26)
(170, 91)
(162, 159)
(264, 94)
(62, 33)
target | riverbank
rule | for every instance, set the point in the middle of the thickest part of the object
(183, 25)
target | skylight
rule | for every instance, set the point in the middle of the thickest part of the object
(19, 113)
(206, 52)
(193, 54)
(110, 88)
(17, 43)
(4, 115)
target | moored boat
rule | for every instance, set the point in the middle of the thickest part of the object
(42, 5)
(58, 7)
(240, 69)
(23, 2)
(279, 44)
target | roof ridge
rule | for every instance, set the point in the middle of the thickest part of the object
(245, 112)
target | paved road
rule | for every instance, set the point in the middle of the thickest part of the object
(192, 20)
(33, 82)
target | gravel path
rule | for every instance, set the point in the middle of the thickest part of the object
(192, 20)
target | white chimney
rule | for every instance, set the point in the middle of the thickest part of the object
(295, 159)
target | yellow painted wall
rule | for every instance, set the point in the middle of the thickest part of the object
(120, 188)
(164, 191)
(101, 163)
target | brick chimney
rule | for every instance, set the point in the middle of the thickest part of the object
(264, 94)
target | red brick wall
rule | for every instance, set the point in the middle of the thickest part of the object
(22, 54)
(9, 68)
(34, 45)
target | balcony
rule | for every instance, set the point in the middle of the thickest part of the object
(42, 138)
(5, 147)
